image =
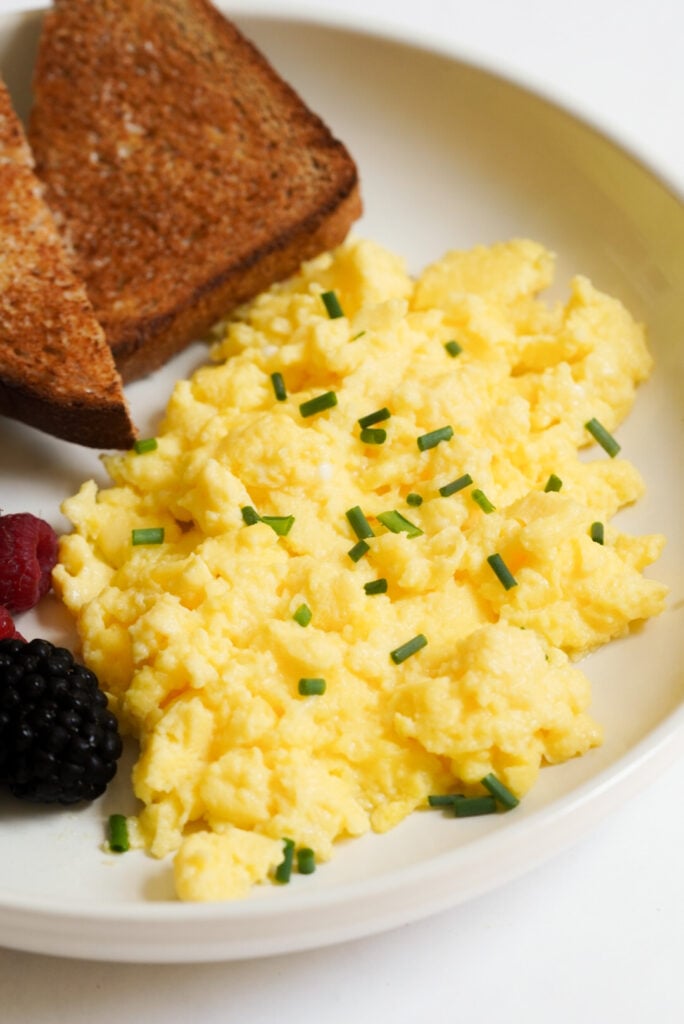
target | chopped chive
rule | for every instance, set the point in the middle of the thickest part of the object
(357, 336)
(284, 869)
(309, 687)
(499, 791)
(376, 586)
(358, 522)
(374, 417)
(118, 833)
(453, 348)
(281, 524)
(332, 305)
(397, 523)
(372, 435)
(405, 651)
(600, 434)
(554, 483)
(318, 404)
(502, 571)
(433, 438)
(145, 444)
(250, 515)
(596, 532)
(279, 386)
(303, 615)
(481, 499)
(358, 551)
(306, 861)
(444, 799)
(472, 805)
(148, 535)
(456, 485)
(414, 499)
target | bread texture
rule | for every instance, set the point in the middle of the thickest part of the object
(185, 174)
(56, 369)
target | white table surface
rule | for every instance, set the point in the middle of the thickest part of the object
(596, 934)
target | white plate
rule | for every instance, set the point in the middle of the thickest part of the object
(450, 155)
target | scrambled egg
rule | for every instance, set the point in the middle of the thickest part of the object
(478, 395)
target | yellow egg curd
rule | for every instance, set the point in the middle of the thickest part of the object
(375, 554)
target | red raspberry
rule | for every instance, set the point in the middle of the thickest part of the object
(28, 552)
(7, 628)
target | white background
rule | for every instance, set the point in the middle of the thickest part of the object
(595, 935)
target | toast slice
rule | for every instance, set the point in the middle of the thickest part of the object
(56, 369)
(185, 174)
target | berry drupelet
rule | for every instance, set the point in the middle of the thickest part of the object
(59, 743)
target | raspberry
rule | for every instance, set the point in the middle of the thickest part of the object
(59, 743)
(28, 552)
(7, 628)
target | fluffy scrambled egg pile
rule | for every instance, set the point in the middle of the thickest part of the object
(315, 634)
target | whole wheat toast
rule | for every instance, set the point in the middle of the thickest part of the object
(56, 369)
(185, 174)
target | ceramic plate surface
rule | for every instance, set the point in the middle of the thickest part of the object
(450, 155)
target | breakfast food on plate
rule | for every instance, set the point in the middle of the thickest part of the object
(56, 369)
(28, 552)
(353, 569)
(59, 743)
(185, 174)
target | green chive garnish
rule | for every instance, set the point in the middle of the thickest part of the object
(332, 305)
(456, 485)
(600, 434)
(279, 386)
(414, 499)
(453, 348)
(472, 805)
(281, 524)
(118, 833)
(433, 438)
(374, 435)
(309, 687)
(357, 336)
(306, 861)
(481, 499)
(303, 615)
(554, 483)
(396, 523)
(444, 799)
(504, 574)
(148, 535)
(358, 551)
(358, 522)
(250, 515)
(145, 444)
(376, 586)
(406, 650)
(374, 417)
(284, 869)
(596, 532)
(318, 404)
(500, 792)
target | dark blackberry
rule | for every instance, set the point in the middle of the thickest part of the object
(59, 743)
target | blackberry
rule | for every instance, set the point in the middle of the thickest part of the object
(59, 743)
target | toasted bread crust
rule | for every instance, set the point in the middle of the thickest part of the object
(56, 369)
(186, 175)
